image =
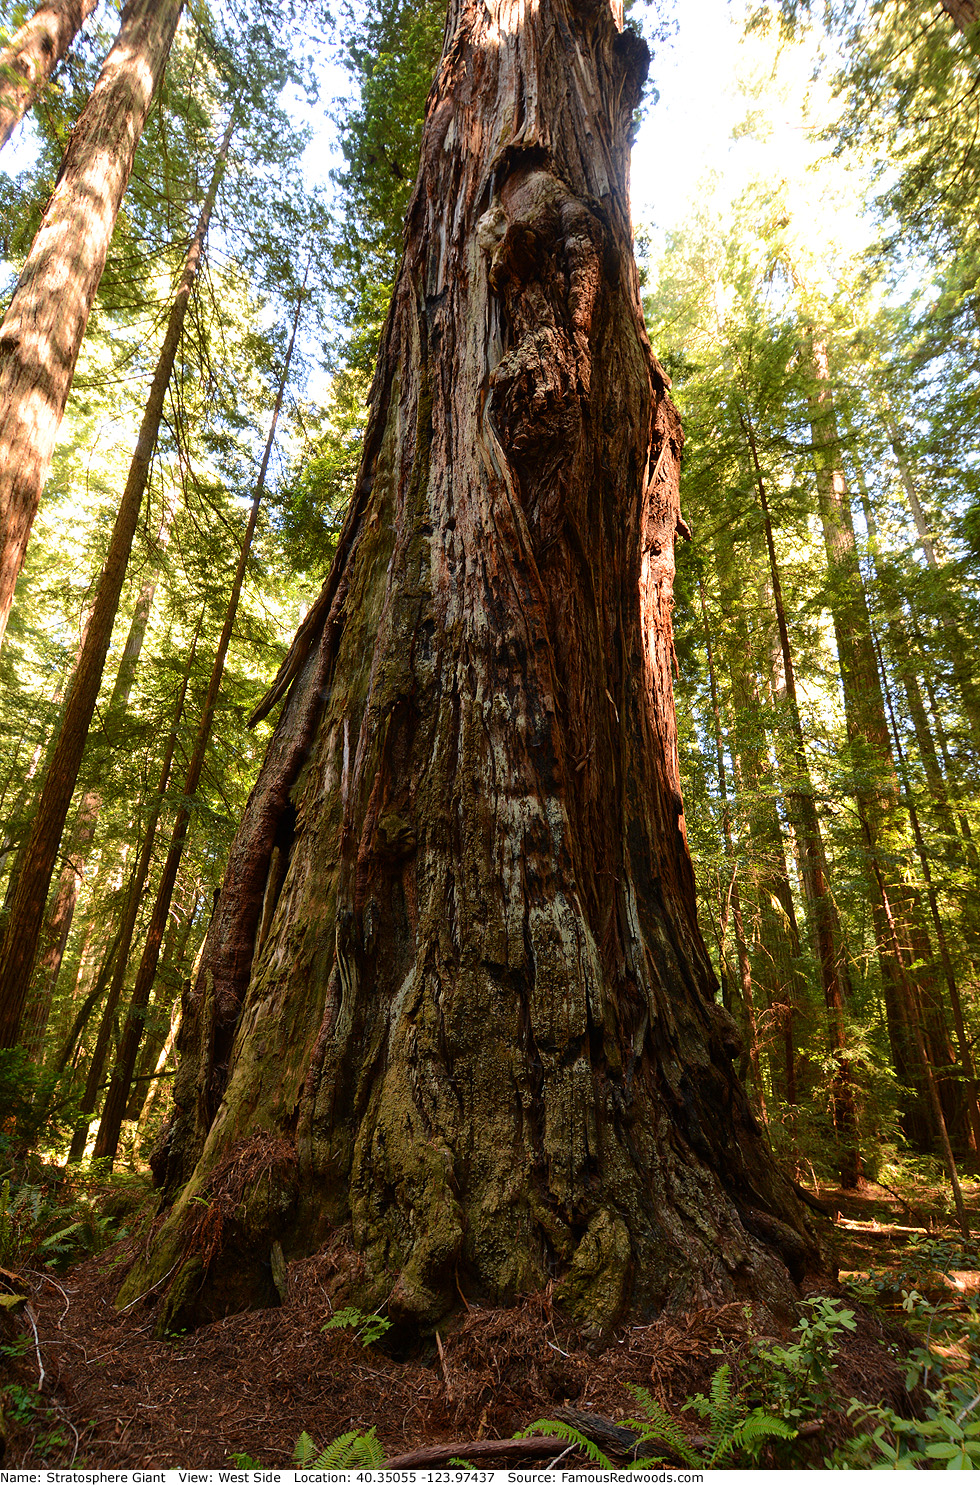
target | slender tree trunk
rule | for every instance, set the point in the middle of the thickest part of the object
(876, 779)
(903, 660)
(166, 995)
(734, 895)
(27, 63)
(107, 1140)
(128, 922)
(777, 940)
(42, 330)
(61, 909)
(458, 937)
(959, 1023)
(959, 652)
(20, 944)
(813, 867)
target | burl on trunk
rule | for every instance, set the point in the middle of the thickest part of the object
(454, 997)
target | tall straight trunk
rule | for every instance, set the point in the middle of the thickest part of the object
(734, 895)
(876, 778)
(42, 331)
(813, 865)
(776, 933)
(127, 925)
(107, 1140)
(899, 645)
(26, 65)
(455, 994)
(166, 998)
(61, 909)
(959, 652)
(20, 944)
(956, 1004)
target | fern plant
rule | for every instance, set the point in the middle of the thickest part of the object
(554, 1428)
(367, 1327)
(351, 1451)
(734, 1431)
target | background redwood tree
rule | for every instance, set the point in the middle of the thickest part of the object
(454, 994)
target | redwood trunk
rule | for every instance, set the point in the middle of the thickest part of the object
(42, 330)
(455, 997)
(61, 909)
(27, 63)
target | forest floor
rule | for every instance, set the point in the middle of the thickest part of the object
(114, 1397)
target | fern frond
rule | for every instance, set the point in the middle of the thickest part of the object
(659, 1427)
(304, 1450)
(551, 1428)
(352, 1450)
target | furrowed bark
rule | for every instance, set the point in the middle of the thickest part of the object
(41, 848)
(27, 64)
(455, 989)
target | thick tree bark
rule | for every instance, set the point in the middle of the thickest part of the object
(36, 49)
(40, 851)
(42, 330)
(455, 995)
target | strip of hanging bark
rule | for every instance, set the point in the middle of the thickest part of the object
(26, 65)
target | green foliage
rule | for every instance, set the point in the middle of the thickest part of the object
(946, 1434)
(367, 1327)
(353, 1450)
(795, 1378)
(737, 1434)
(50, 1225)
(555, 1428)
(734, 1433)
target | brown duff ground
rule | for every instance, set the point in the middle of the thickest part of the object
(115, 1398)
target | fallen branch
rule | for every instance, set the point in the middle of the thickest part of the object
(879, 1229)
(420, 1459)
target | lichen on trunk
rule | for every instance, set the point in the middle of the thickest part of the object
(456, 960)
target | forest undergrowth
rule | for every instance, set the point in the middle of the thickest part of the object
(881, 1371)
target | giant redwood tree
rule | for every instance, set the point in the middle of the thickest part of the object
(454, 999)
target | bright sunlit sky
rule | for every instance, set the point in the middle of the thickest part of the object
(689, 128)
(684, 152)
